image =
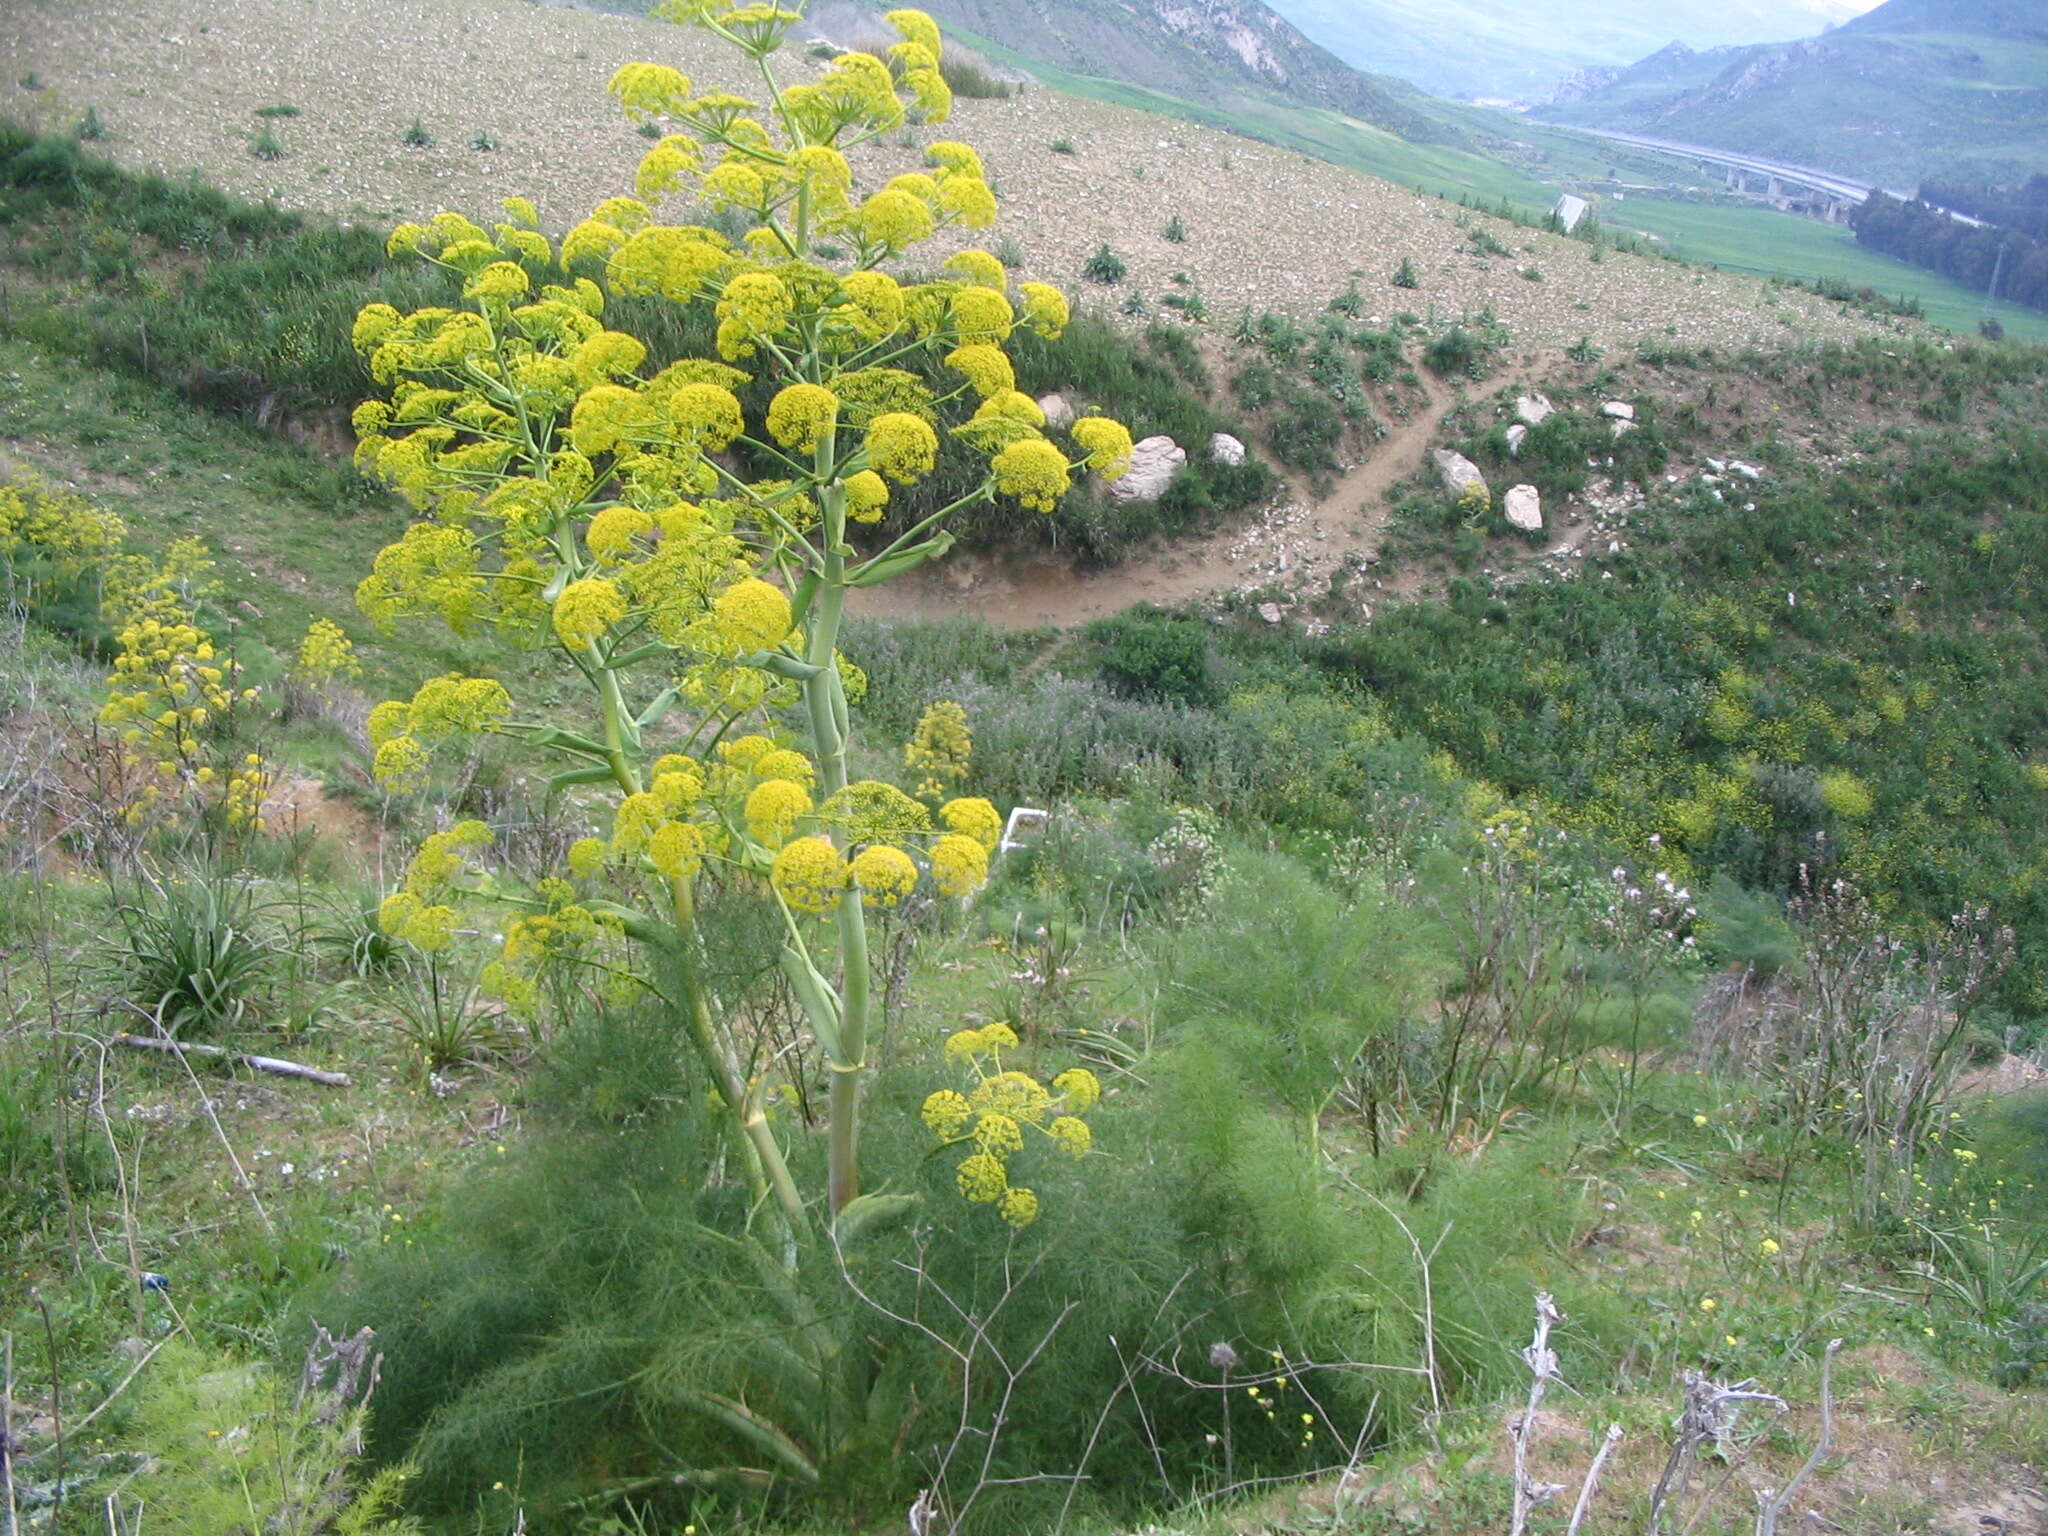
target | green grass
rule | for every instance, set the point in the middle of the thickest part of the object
(291, 532)
(1772, 244)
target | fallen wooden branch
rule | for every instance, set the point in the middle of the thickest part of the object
(255, 1063)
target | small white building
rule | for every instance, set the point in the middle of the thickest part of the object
(1569, 211)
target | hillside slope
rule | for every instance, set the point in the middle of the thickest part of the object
(1914, 89)
(1265, 228)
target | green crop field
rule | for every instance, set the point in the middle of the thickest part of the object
(1773, 244)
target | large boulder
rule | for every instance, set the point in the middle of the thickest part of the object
(1534, 410)
(1458, 473)
(1154, 462)
(1225, 449)
(1059, 414)
(1525, 508)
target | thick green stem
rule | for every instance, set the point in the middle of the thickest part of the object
(824, 696)
(767, 1170)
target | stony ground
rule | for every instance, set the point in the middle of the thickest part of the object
(178, 84)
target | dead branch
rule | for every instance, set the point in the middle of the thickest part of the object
(273, 1064)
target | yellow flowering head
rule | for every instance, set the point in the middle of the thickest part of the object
(867, 496)
(501, 282)
(325, 655)
(1108, 444)
(946, 1113)
(752, 615)
(1034, 472)
(982, 315)
(1071, 1134)
(586, 609)
(998, 1135)
(893, 220)
(676, 849)
(1045, 309)
(873, 304)
(974, 817)
(959, 865)
(400, 765)
(801, 414)
(985, 366)
(1081, 1089)
(916, 27)
(940, 748)
(810, 875)
(1018, 1207)
(978, 268)
(884, 875)
(981, 1179)
(611, 533)
(773, 810)
(902, 446)
(587, 856)
(1018, 1095)
(1770, 1247)
(650, 90)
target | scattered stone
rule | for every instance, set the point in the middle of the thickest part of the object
(1517, 434)
(1525, 508)
(1620, 410)
(1153, 465)
(1620, 427)
(1225, 449)
(1458, 473)
(1534, 410)
(1059, 414)
(1271, 612)
(1747, 471)
(1717, 466)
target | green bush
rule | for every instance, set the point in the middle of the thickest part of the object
(1145, 653)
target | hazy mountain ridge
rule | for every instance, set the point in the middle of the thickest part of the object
(1194, 49)
(1501, 49)
(1913, 89)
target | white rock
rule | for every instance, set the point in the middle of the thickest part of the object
(1621, 428)
(1620, 410)
(1516, 435)
(1225, 449)
(1747, 471)
(1457, 472)
(1153, 464)
(1270, 612)
(1716, 465)
(1525, 508)
(1059, 415)
(1534, 409)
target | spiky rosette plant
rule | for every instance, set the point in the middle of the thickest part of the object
(576, 500)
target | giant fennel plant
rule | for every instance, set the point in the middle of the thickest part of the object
(572, 498)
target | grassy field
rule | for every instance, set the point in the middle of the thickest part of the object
(1772, 244)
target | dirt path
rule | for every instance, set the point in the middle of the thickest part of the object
(1295, 542)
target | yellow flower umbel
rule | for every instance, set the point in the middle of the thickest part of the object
(999, 1114)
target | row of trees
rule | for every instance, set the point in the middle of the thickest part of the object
(1976, 256)
(2019, 208)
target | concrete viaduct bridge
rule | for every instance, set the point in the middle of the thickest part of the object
(1825, 193)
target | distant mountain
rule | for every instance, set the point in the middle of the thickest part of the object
(1518, 50)
(1951, 89)
(1200, 50)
